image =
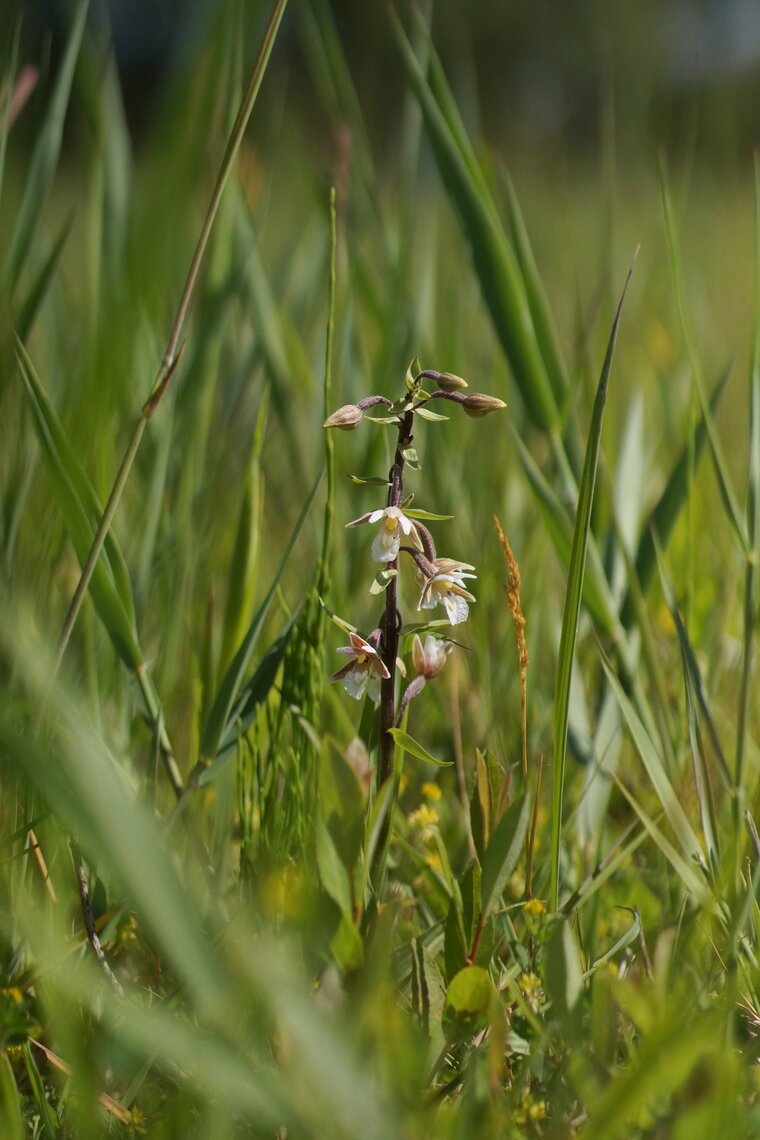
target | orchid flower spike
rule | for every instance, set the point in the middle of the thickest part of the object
(365, 670)
(445, 586)
(386, 543)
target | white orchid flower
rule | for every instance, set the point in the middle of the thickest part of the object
(394, 524)
(364, 671)
(446, 586)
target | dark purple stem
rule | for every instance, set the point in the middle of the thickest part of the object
(390, 624)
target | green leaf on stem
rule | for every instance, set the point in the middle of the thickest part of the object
(369, 481)
(383, 579)
(408, 744)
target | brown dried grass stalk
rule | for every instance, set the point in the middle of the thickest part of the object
(512, 592)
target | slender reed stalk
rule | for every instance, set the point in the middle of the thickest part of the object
(172, 353)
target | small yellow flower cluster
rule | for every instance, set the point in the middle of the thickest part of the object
(531, 1112)
(530, 984)
(534, 907)
(423, 819)
(431, 791)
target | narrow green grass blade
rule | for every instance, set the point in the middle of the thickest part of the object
(495, 263)
(596, 591)
(48, 1117)
(693, 677)
(543, 322)
(665, 791)
(667, 1057)
(730, 505)
(665, 513)
(242, 576)
(230, 686)
(752, 510)
(88, 793)
(11, 1123)
(684, 868)
(46, 152)
(251, 698)
(29, 307)
(111, 587)
(504, 849)
(7, 76)
(573, 595)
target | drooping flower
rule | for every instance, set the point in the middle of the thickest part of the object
(430, 658)
(395, 523)
(445, 586)
(365, 670)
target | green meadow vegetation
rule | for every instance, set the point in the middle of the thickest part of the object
(516, 896)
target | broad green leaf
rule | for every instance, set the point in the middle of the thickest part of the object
(574, 592)
(564, 974)
(427, 516)
(347, 946)
(505, 846)
(408, 744)
(332, 872)
(468, 999)
(428, 414)
(382, 580)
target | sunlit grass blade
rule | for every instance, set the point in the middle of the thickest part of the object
(495, 263)
(573, 595)
(46, 152)
(668, 507)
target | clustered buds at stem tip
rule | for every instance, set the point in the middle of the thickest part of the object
(477, 404)
(446, 381)
(346, 418)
